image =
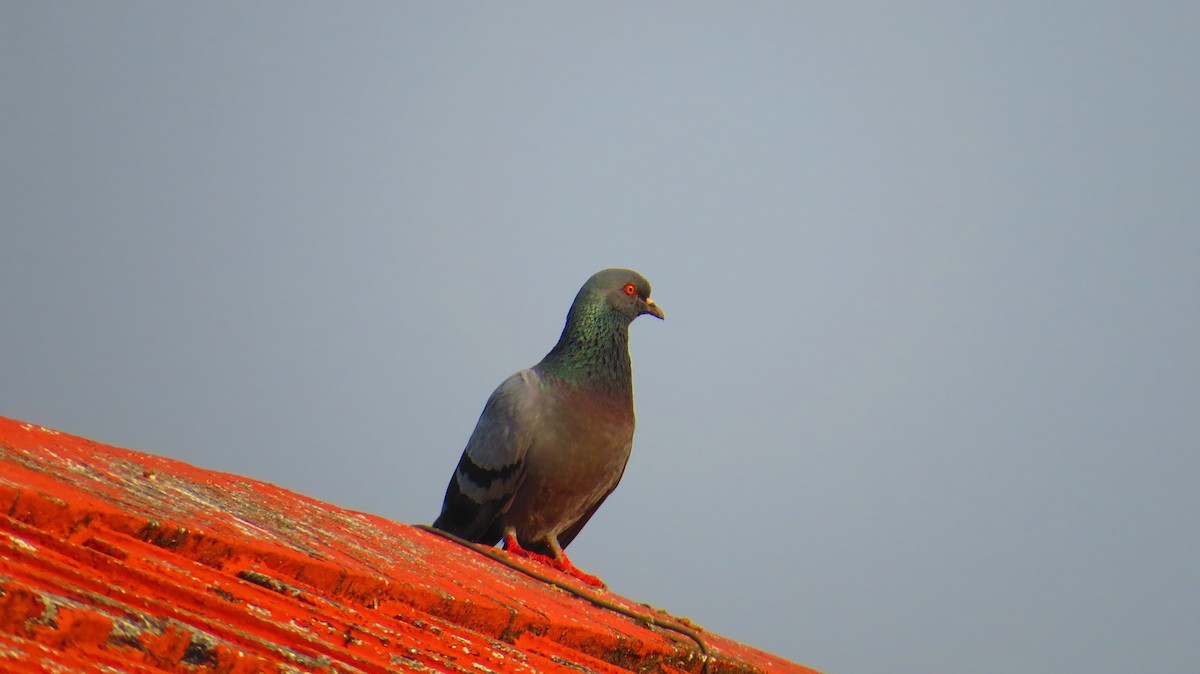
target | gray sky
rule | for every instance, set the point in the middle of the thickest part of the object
(927, 397)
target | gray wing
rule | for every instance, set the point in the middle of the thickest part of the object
(492, 466)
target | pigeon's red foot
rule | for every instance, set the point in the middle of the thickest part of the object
(512, 547)
(562, 564)
(568, 568)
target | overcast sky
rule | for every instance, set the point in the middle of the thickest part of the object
(927, 398)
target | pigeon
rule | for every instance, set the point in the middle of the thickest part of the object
(553, 440)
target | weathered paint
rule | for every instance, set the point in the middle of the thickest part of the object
(115, 560)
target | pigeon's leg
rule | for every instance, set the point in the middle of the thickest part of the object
(558, 561)
(514, 548)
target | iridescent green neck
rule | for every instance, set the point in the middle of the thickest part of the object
(593, 349)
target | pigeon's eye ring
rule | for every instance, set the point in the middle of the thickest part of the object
(630, 289)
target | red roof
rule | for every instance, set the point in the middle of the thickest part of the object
(114, 560)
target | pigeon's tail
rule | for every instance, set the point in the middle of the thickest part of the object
(441, 524)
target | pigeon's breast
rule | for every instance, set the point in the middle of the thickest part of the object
(578, 458)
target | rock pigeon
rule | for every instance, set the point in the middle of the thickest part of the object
(553, 440)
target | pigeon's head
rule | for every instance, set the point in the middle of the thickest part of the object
(625, 291)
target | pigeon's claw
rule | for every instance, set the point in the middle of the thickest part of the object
(570, 569)
(560, 563)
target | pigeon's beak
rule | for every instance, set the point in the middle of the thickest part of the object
(653, 309)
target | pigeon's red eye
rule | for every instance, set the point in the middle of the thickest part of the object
(630, 289)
